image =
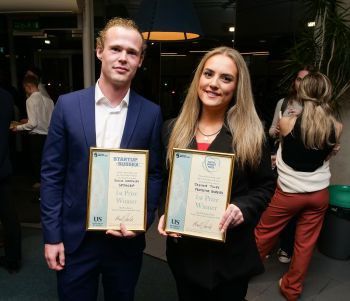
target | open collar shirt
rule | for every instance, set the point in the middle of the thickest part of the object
(109, 120)
(39, 110)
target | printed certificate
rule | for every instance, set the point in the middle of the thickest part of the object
(117, 189)
(199, 190)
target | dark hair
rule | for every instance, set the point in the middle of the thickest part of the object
(31, 79)
(35, 70)
(292, 93)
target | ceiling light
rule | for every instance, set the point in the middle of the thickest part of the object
(199, 51)
(231, 29)
(311, 24)
(256, 53)
(170, 20)
(48, 42)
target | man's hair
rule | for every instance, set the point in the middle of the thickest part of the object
(31, 80)
(35, 70)
(118, 22)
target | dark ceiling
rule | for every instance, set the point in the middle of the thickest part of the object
(260, 24)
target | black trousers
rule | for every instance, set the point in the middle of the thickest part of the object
(37, 143)
(287, 236)
(10, 223)
(234, 290)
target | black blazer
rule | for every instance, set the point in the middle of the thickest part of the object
(6, 115)
(208, 263)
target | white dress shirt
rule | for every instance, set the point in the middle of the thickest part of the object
(109, 120)
(39, 110)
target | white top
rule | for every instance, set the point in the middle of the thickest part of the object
(109, 120)
(43, 90)
(39, 110)
(292, 181)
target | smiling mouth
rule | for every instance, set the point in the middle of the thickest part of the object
(121, 69)
(212, 94)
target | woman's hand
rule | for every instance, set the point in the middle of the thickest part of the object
(232, 217)
(161, 229)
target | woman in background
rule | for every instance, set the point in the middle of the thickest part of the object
(307, 142)
(290, 104)
(287, 106)
(219, 115)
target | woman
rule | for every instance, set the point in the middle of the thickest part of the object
(219, 115)
(287, 106)
(308, 140)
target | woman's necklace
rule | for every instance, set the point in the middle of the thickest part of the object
(206, 136)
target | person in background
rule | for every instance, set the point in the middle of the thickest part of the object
(108, 115)
(286, 107)
(307, 142)
(289, 105)
(218, 115)
(39, 110)
(36, 72)
(11, 261)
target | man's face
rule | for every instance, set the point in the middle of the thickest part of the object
(300, 76)
(121, 56)
(27, 89)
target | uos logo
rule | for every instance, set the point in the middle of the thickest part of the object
(211, 164)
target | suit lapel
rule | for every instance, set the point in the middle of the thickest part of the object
(131, 119)
(87, 108)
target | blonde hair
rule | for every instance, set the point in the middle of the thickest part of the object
(317, 121)
(118, 22)
(243, 122)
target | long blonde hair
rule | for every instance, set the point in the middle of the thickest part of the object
(317, 121)
(242, 119)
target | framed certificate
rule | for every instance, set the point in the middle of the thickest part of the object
(117, 189)
(199, 190)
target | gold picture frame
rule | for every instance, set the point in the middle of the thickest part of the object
(199, 190)
(117, 189)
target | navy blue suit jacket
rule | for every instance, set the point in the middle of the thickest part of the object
(65, 164)
(6, 115)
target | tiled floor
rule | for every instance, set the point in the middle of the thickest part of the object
(327, 279)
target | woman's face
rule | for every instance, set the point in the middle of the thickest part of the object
(217, 82)
(301, 74)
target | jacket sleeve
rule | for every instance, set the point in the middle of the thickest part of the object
(261, 186)
(154, 170)
(166, 131)
(52, 177)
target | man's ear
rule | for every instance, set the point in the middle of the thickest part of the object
(99, 53)
(141, 60)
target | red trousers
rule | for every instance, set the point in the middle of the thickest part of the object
(310, 208)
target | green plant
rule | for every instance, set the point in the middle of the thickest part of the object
(326, 46)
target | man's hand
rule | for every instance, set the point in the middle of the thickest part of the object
(123, 232)
(54, 255)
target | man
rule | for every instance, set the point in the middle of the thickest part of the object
(107, 115)
(39, 110)
(36, 72)
(8, 216)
